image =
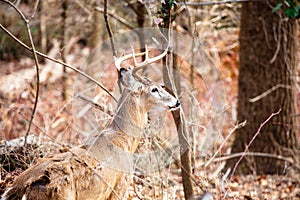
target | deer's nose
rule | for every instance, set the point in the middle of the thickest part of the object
(177, 103)
(176, 106)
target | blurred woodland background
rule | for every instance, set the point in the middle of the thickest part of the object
(247, 147)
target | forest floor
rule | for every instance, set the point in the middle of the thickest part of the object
(55, 121)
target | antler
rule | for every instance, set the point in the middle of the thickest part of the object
(147, 61)
(118, 61)
(139, 66)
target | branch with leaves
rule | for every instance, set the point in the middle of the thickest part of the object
(291, 8)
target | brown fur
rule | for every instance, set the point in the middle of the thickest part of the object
(102, 168)
(74, 174)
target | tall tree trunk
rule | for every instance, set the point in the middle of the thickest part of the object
(96, 37)
(141, 11)
(268, 44)
(97, 29)
(64, 16)
(185, 152)
(43, 27)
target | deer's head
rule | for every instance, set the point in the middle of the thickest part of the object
(152, 95)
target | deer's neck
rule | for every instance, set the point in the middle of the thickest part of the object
(131, 115)
(125, 130)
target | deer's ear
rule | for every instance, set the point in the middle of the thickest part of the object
(127, 79)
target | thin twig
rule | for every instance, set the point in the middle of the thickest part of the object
(238, 126)
(100, 9)
(108, 29)
(57, 61)
(169, 152)
(257, 154)
(83, 7)
(35, 9)
(249, 144)
(100, 107)
(36, 65)
(204, 3)
(37, 81)
(117, 17)
(264, 94)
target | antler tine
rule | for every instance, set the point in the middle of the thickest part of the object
(133, 55)
(140, 78)
(119, 60)
(147, 53)
(147, 61)
(139, 66)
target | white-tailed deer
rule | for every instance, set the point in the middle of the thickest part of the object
(97, 169)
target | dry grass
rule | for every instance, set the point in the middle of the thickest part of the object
(55, 124)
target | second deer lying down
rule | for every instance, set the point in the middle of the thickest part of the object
(97, 169)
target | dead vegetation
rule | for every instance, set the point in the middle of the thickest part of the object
(55, 123)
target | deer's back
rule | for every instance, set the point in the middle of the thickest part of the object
(73, 174)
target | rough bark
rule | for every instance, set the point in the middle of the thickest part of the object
(268, 44)
(185, 153)
(64, 16)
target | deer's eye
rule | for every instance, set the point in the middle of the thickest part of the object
(154, 90)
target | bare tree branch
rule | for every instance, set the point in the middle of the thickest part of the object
(240, 125)
(35, 9)
(213, 2)
(99, 9)
(64, 16)
(266, 93)
(117, 17)
(259, 154)
(251, 141)
(36, 64)
(100, 107)
(108, 28)
(178, 116)
(57, 61)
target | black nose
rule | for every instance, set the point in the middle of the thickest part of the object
(177, 104)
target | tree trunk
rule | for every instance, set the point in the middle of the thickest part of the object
(185, 152)
(141, 11)
(268, 49)
(97, 31)
(43, 27)
(64, 16)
